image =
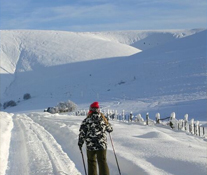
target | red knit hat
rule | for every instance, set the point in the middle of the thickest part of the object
(94, 105)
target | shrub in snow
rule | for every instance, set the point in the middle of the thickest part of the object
(68, 106)
(139, 119)
(62, 107)
(9, 103)
(26, 96)
(52, 110)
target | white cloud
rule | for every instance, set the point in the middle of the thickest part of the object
(103, 14)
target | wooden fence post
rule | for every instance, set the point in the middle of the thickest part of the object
(130, 116)
(195, 128)
(147, 118)
(123, 115)
(199, 131)
(192, 128)
(185, 120)
(157, 116)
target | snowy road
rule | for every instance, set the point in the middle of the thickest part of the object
(45, 144)
(35, 151)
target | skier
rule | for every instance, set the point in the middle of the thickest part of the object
(93, 132)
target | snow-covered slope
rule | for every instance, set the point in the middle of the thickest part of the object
(169, 74)
(145, 39)
(45, 144)
(49, 48)
(29, 50)
(139, 71)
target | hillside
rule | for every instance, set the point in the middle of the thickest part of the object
(137, 71)
(23, 51)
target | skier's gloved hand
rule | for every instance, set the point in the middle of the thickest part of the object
(109, 128)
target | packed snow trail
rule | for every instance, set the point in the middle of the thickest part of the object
(34, 151)
(46, 144)
(65, 131)
(140, 149)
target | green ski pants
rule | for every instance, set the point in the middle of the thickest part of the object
(100, 156)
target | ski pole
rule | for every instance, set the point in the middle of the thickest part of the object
(115, 154)
(83, 160)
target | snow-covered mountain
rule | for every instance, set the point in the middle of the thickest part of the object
(139, 71)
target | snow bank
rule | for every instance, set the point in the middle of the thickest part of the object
(6, 125)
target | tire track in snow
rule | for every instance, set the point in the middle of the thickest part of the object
(60, 162)
(61, 131)
(18, 157)
(35, 151)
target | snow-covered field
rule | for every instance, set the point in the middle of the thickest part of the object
(45, 144)
(138, 71)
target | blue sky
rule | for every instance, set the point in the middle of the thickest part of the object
(102, 15)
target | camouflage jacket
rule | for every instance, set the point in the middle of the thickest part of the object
(93, 132)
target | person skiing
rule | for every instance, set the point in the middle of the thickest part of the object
(93, 131)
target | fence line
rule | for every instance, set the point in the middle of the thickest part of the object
(191, 127)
